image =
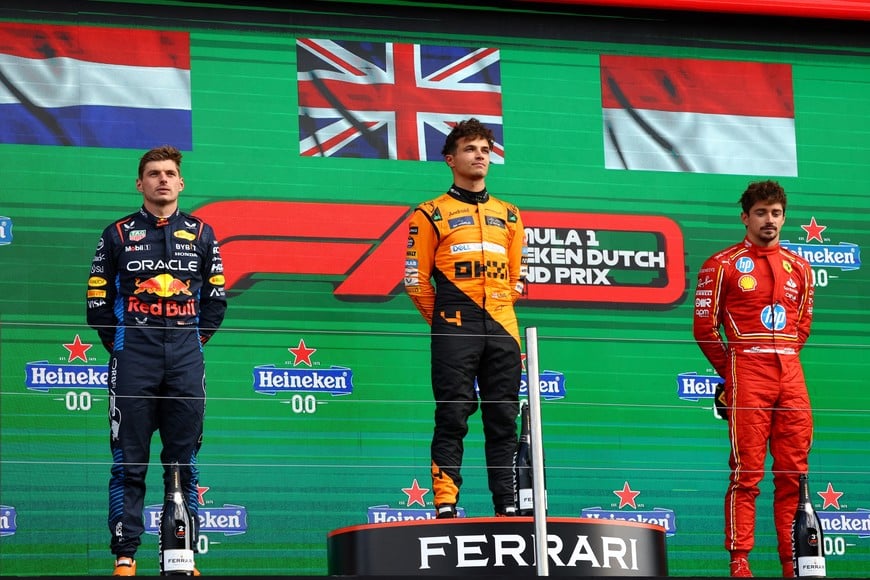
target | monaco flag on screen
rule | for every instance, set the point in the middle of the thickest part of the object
(94, 87)
(705, 116)
(393, 101)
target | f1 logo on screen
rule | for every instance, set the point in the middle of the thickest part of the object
(572, 257)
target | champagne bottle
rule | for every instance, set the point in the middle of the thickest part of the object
(176, 543)
(808, 553)
(523, 465)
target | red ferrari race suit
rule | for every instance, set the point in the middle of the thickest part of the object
(472, 245)
(155, 295)
(763, 297)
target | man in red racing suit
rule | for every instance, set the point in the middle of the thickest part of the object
(472, 245)
(762, 295)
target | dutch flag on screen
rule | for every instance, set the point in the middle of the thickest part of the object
(697, 115)
(94, 87)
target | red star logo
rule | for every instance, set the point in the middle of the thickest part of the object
(626, 496)
(415, 494)
(302, 353)
(200, 492)
(814, 230)
(523, 360)
(77, 349)
(831, 497)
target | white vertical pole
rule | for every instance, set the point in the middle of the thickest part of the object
(539, 493)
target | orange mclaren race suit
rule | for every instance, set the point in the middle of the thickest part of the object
(763, 297)
(155, 294)
(472, 245)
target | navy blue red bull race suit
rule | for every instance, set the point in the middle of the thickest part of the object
(763, 298)
(155, 295)
(472, 245)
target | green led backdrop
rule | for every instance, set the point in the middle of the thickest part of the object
(314, 248)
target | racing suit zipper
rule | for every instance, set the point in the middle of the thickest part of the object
(163, 226)
(481, 221)
(774, 303)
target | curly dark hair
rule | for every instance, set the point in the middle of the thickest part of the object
(162, 153)
(767, 191)
(468, 129)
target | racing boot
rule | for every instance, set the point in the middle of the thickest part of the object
(124, 566)
(446, 493)
(445, 511)
(740, 567)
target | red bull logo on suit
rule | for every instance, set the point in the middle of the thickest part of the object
(163, 285)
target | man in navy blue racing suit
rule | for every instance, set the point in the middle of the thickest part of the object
(155, 296)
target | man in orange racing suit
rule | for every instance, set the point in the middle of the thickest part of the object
(473, 246)
(763, 296)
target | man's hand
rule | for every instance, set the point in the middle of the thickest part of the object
(720, 407)
(108, 340)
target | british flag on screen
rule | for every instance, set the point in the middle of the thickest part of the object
(393, 101)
